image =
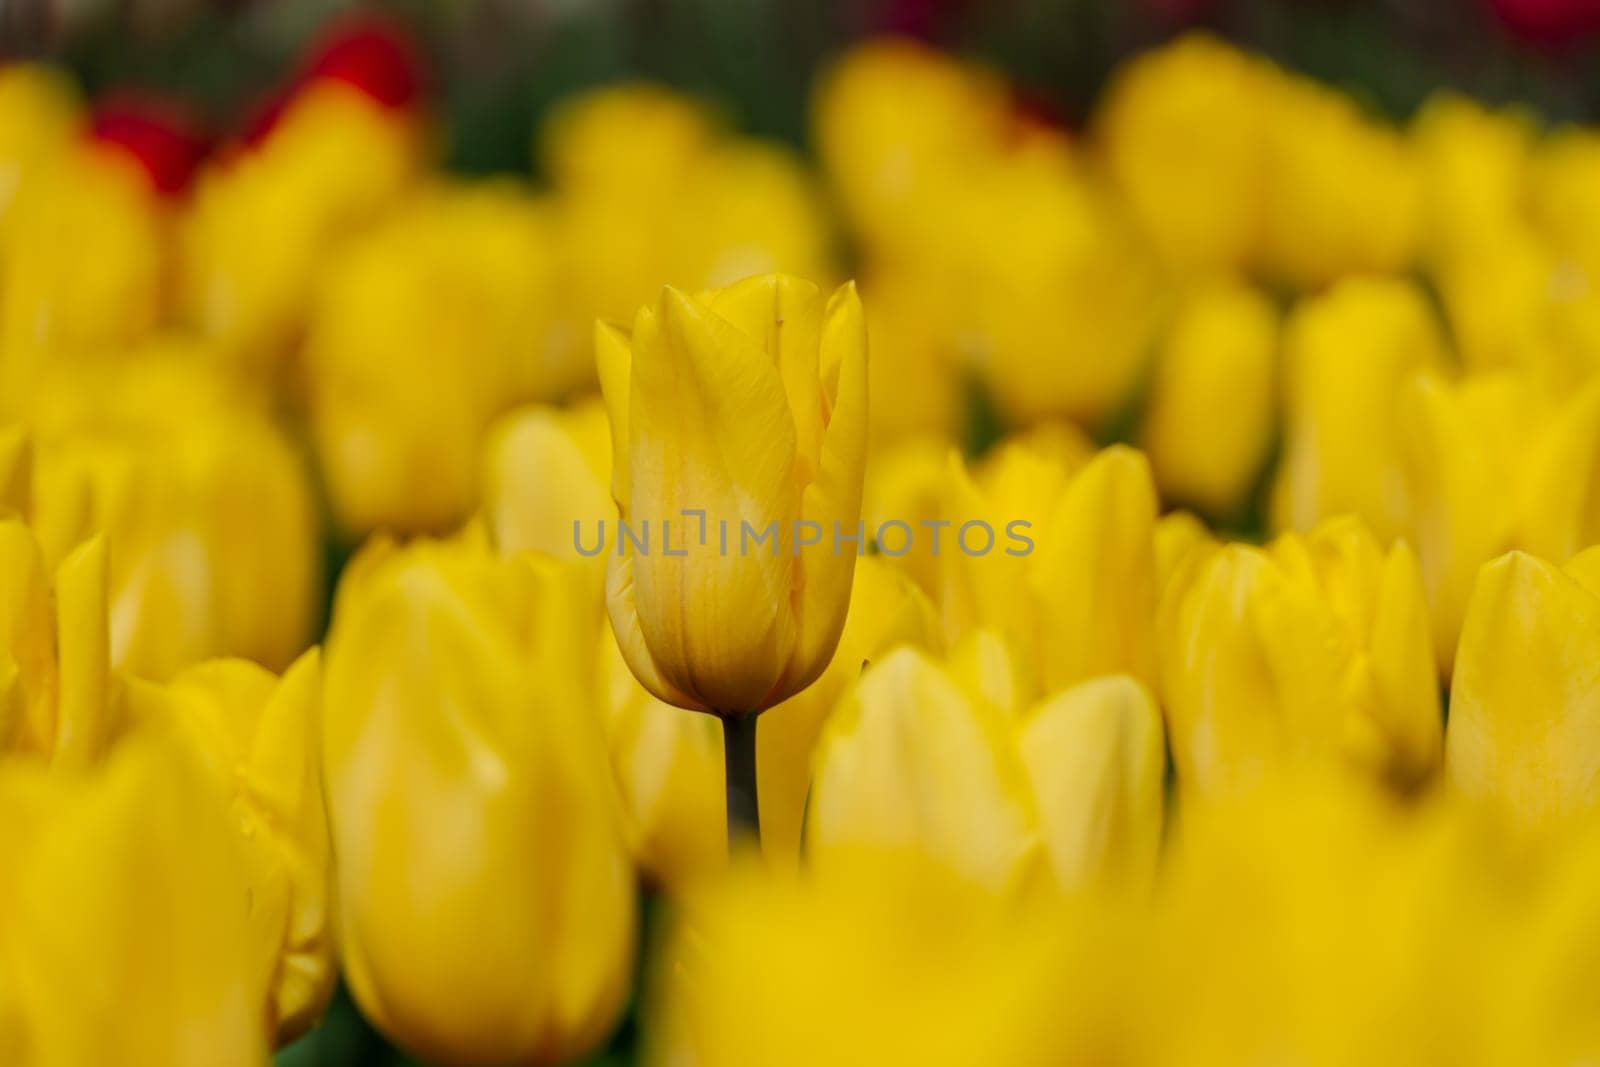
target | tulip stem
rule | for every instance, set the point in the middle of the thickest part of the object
(739, 752)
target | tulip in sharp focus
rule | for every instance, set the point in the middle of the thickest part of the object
(1524, 704)
(486, 902)
(747, 404)
(1312, 651)
(259, 738)
(917, 758)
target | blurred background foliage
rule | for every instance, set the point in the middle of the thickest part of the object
(494, 66)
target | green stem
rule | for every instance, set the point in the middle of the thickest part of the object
(739, 752)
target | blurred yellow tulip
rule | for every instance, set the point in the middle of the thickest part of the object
(1070, 576)
(1347, 352)
(426, 329)
(651, 189)
(207, 507)
(894, 119)
(545, 470)
(878, 960)
(668, 768)
(125, 929)
(914, 759)
(886, 610)
(486, 903)
(1213, 403)
(259, 738)
(40, 113)
(1183, 130)
(747, 405)
(1314, 920)
(1492, 465)
(85, 256)
(1524, 706)
(1313, 651)
(1344, 192)
(331, 164)
(1474, 164)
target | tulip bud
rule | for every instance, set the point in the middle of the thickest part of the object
(1474, 164)
(1347, 352)
(259, 738)
(486, 901)
(748, 405)
(405, 375)
(1070, 576)
(1314, 650)
(124, 930)
(1524, 707)
(1213, 403)
(914, 759)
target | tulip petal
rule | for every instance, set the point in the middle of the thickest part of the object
(1096, 759)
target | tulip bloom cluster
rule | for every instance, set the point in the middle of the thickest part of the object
(1231, 698)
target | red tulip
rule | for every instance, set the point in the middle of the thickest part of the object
(160, 134)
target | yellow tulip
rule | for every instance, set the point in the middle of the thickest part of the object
(405, 374)
(207, 506)
(1562, 201)
(1347, 352)
(1071, 575)
(915, 378)
(1313, 651)
(894, 119)
(668, 768)
(1344, 193)
(1524, 731)
(905, 482)
(55, 686)
(1213, 403)
(258, 737)
(124, 934)
(872, 961)
(544, 470)
(1182, 541)
(915, 760)
(1474, 163)
(886, 610)
(1317, 921)
(1494, 438)
(650, 189)
(1183, 130)
(747, 404)
(84, 257)
(39, 114)
(486, 903)
(1052, 269)
(333, 161)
